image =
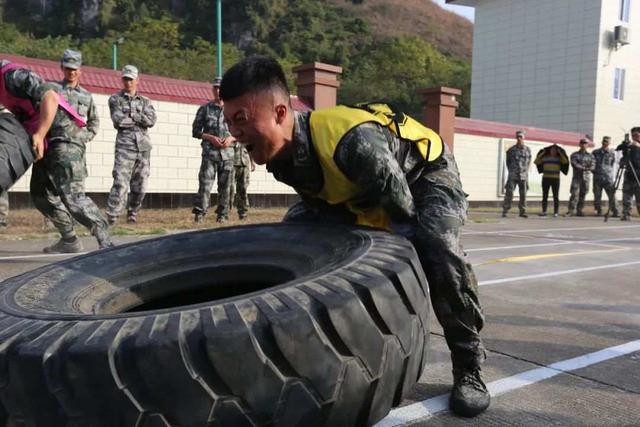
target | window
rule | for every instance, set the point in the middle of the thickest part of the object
(618, 84)
(625, 6)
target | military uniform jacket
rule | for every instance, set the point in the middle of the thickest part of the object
(632, 159)
(132, 116)
(23, 83)
(583, 164)
(518, 162)
(605, 165)
(382, 166)
(64, 129)
(209, 119)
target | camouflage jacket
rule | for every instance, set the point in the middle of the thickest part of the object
(632, 160)
(241, 156)
(518, 162)
(583, 164)
(64, 128)
(605, 165)
(382, 166)
(209, 119)
(132, 116)
(23, 83)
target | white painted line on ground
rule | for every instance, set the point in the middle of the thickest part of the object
(18, 257)
(559, 243)
(469, 233)
(430, 407)
(556, 273)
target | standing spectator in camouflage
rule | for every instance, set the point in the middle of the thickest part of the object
(518, 162)
(243, 166)
(604, 177)
(57, 182)
(4, 208)
(217, 157)
(631, 185)
(374, 178)
(583, 164)
(132, 115)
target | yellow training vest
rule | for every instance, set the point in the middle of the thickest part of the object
(328, 127)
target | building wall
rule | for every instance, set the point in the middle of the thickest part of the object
(175, 158)
(535, 62)
(614, 117)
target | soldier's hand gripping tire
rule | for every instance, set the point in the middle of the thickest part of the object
(277, 324)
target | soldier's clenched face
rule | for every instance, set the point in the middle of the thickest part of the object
(263, 122)
(130, 85)
(71, 76)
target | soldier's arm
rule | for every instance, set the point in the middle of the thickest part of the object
(24, 83)
(592, 164)
(364, 157)
(575, 163)
(147, 117)
(93, 122)
(118, 117)
(48, 108)
(198, 123)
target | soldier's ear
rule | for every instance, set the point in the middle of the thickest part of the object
(281, 113)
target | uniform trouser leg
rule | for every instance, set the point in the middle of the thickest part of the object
(597, 195)
(242, 184)
(225, 174)
(522, 189)
(122, 171)
(206, 176)
(575, 190)
(4, 206)
(611, 195)
(584, 189)
(45, 198)
(508, 195)
(66, 170)
(441, 210)
(139, 180)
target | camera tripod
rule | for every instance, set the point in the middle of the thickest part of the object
(623, 165)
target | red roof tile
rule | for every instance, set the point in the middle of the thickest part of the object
(107, 82)
(506, 130)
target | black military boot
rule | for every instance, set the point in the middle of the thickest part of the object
(469, 396)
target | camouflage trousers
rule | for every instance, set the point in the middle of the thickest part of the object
(523, 186)
(630, 189)
(131, 171)
(238, 192)
(57, 190)
(4, 207)
(579, 190)
(441, 208)
(607, 186)
(209, 168)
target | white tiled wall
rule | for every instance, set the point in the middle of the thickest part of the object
(175, 158)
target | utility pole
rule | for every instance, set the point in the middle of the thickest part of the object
(114, 52)
(219, 33)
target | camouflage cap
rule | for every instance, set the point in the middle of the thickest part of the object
(71, 59)
(584, 141)
(216, 82)
(520, 133)
(130, 72)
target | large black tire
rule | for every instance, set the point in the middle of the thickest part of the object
(16, 154)
(266, 325)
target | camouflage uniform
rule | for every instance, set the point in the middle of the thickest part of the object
(603, 179)
(583, 164)
(215, 161)
(131, 116)
(57, 181)
(630, 187)
(4, 208)
(518, 162)
(240, 182)
(425, 203)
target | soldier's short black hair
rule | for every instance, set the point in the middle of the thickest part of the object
(635, 129)
(253, 74)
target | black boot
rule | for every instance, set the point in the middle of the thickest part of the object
(469, 396)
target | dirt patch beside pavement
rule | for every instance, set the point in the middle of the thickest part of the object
(29, 223)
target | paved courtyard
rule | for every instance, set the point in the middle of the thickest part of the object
(562, 303)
